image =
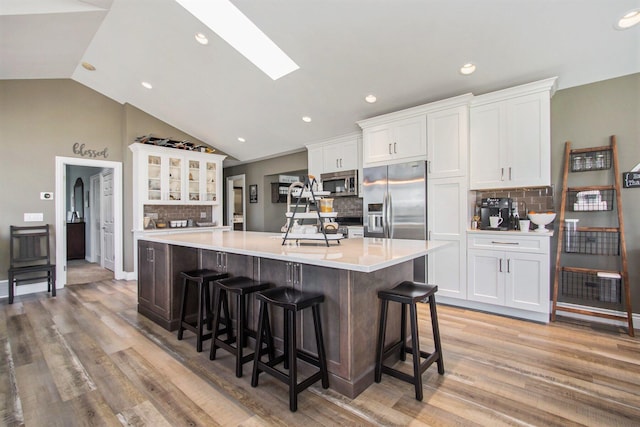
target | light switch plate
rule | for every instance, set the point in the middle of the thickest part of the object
(46, 195)
(33, 217)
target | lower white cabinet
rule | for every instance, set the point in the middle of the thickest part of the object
(509, 270)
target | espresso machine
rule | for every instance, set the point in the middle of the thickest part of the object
(495, 206)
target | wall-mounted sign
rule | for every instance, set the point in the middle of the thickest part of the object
(86, 152)
(631, 179)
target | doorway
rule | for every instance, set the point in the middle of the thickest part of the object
(236, 209)
(110, 184)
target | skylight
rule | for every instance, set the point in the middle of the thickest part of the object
(242, 34)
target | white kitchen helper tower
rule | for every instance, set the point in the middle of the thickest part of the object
(592, 291)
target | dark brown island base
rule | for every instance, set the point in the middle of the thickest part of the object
(349, 274)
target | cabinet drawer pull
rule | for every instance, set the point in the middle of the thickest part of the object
(509, 173)
(504, 243)
(501, 174)
(508, 265)
(500, 262)
(390, 152)
(395, 147)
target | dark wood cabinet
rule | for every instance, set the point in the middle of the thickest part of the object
(76, 239)
(159, 281)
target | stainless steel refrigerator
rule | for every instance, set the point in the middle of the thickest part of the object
(395, 204)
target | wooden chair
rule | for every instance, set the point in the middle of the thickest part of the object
(30, 258)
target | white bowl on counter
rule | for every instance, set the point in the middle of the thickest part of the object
(541, 220)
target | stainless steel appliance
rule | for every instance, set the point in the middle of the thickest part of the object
(341, 184)
(495, 206)
(395, 204)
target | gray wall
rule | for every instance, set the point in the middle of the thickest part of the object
(42, 119)
(264, 215)
(587, 116)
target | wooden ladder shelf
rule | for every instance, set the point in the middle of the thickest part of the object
(598, 292)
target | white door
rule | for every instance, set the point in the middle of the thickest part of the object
(525, 276)
(107, 250)
(486, 276)
(96, 219)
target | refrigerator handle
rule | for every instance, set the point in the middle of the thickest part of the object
(383, 220)
(389, 218)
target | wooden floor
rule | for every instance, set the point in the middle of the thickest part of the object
(87, 358)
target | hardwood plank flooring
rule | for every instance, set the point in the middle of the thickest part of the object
(87, 357)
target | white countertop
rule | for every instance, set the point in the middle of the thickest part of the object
(359, 254)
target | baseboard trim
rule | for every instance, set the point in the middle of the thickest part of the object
(634, 316)
(31, 288)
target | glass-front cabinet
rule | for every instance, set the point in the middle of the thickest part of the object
(175, 179)
(194, 181)
(154, 178)
(163, 179)
(168, 176)
(211, 182)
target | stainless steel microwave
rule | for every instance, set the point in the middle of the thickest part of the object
(341, 184)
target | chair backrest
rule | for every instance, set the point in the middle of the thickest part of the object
(29, 246)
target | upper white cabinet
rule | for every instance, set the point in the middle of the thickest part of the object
(400, 140)
(165, 176)
(510, 137)
(447, 141)
(335, 155)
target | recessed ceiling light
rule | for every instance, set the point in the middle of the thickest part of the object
(629, 19)
(236, 29)
(306, 119)
(467, 69)
(147, 85)
(88, 66)
(370, 99)
(202, 39)
(241, 139)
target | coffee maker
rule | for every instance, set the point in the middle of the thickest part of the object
(495, 206)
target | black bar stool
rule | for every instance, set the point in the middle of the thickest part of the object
(292, 301)
(408, 293)
(200, 278)
(241, 287)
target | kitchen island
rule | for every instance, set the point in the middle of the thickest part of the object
(349, 274)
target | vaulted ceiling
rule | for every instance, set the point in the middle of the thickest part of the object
(406, 52)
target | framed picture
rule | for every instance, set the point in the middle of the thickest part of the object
(253, 193)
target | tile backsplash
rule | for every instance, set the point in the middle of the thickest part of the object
(348, 206)
(176, 212)
(526, 199)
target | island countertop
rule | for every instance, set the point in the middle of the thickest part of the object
(359, 254)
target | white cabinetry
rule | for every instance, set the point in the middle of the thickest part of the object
(335, 155)
(510, 270)
(166, 176)
(401, 140)
(447, 190)
(342, 156)
(447, 142)
(163, 175)
(510, 135)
